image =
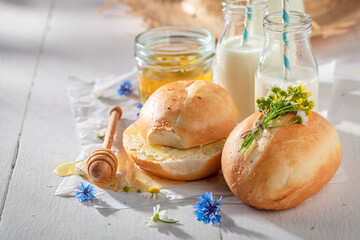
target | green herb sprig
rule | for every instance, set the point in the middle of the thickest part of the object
(276, 104)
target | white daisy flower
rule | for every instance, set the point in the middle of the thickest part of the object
(158, 216)
(100, 133)
(80, 168)
(154, 193)
(125, 187)
(302, 117)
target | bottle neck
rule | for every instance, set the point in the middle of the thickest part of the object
(298, 29)
(241, 16)
(290, 42)
(244, 10)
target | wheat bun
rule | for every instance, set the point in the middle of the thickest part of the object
(283, 167)
(186, 114)
(182, 130)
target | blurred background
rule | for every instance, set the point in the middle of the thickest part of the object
(330, 17)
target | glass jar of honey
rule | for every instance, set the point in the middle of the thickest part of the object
(173, 53)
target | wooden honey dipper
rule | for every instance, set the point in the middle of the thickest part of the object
(102, 163)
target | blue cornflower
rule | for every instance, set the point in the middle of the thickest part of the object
(139, 106)
(206, 210)
(84, 193)
(125, 88)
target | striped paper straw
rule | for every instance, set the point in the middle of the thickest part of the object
(249, 17)
(286, 21)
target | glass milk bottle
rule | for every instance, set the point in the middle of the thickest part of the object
(303, 66)
(294, 5)
(238, 51)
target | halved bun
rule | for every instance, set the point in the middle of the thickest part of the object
(285, 166)
(172, 163)
(186, 114)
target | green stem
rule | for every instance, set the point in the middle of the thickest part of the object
(278, 113)
(274, 121)
(285, 109)
(168, 221)
(284, 124)
(268, 118)
(290, 106)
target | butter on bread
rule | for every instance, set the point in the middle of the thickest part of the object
(181, 130)
(172, 163)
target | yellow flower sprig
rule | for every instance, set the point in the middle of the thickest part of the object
(276, 104)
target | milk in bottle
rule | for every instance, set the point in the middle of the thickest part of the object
(238, 51)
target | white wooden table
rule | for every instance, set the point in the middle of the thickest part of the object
(43, 42)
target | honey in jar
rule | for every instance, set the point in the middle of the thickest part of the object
(173, 53)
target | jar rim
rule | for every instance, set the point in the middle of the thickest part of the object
(243, 6)
(145, 42)
(299, 22)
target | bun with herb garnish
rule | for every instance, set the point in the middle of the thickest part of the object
(181, 130)
(287, 162)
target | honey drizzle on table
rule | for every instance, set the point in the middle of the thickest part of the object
(129, 173)
(65, 169)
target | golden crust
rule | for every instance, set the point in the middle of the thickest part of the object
(185, 114)
(289, 166)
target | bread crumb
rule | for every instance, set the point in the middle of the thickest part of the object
(99, 93)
